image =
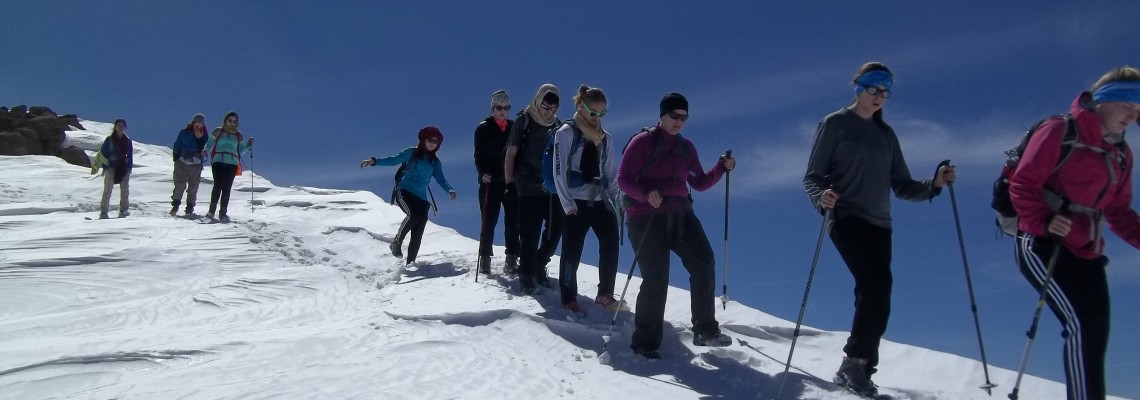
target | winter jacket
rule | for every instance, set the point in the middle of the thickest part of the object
(530, 137)
(861, 158)
(188, 149)
(419, 172)
(490, 142)
(1097, 177)
(568, 168)
(110, 157)
(669, 175)
(224, 147)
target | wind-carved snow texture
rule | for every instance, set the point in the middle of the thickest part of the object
(299, 297)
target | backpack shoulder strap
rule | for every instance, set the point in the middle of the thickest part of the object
(1070, 141)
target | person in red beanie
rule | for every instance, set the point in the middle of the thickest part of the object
(421, 164)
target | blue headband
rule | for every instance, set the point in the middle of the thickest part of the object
(1120, 91)
(874, 78)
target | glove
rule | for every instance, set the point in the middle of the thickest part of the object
(511, 192)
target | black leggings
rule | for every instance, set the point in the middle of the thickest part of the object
(599, 217)
(415, 221)
(224, 175)
(491, 199)
(866, 249)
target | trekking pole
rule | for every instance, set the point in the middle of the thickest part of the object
(799, 320)
(251, 187)
(604, 358)
(724, 276)
(1032, 333)
(970, 286)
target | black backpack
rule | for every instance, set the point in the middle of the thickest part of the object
(1005, 215)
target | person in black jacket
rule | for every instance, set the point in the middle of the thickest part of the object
(490, 144)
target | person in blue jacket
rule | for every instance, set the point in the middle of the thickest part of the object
(189, 157)
(118, 160)
(225, 147)
(422, 165)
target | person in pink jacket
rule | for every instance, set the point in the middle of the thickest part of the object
(1061, 205)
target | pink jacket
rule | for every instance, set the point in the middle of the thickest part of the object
(1095, 181)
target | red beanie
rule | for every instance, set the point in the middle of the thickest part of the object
(430, 132)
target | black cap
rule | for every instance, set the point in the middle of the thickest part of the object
(674, 101)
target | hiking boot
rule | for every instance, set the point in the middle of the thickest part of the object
(542, 279)
(573, 307)
(852, 375)
(527, 284)
(395, 247)
(651, 354)
(714, 339)
(210, 215)
(189, 210)
(610, 303)
(484, 265)
(104, 216)
(124, 213)
(511, 266)
(174, 210)
(225, 219)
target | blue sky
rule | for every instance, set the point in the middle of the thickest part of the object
(323, 86)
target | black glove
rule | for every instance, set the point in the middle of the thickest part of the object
(511, 192)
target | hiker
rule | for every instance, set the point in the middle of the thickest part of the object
(1061, 204)
(522, 169)
(422, 165)
(585, 174)
(226, 148)
(118, 157)
(189, 156)
(657, 169)
(490, 144)
(855, 164)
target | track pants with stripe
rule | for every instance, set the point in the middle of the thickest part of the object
(1078, 296)
(415, 221)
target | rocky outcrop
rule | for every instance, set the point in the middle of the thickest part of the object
(38, 130)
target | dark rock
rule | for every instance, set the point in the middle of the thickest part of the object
(37, 111)
(21, 109)
(75, 156)
(17, 144)
(71, 120)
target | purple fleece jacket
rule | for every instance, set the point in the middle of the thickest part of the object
(669, 175)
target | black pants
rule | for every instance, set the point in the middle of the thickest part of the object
(866, 249)
(490, 200)
(599, 217)
(536, 245)
(1078, 296)
(653, 236)
(223, 181)
(416, 210)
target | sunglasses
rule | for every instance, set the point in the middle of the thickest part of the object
(676, 116)
(593, 113)
(876, 91)
(503, 108)
(548, 107)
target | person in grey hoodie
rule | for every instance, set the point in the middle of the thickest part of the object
(855, 164)
(585, 175)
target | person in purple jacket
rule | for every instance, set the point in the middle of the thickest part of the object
(657, 169)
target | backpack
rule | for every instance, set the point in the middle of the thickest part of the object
(549, 159)
(657, 149)
(1005, 215)
(400, 175)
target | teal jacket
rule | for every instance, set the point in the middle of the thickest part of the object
(226, 148)
(419, 172)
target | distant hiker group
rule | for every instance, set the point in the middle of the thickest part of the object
(225, 148)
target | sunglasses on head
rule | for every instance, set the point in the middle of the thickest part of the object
(593, 113)
(677, 116)
(503, 108)
(876, 91)
(548, 107)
